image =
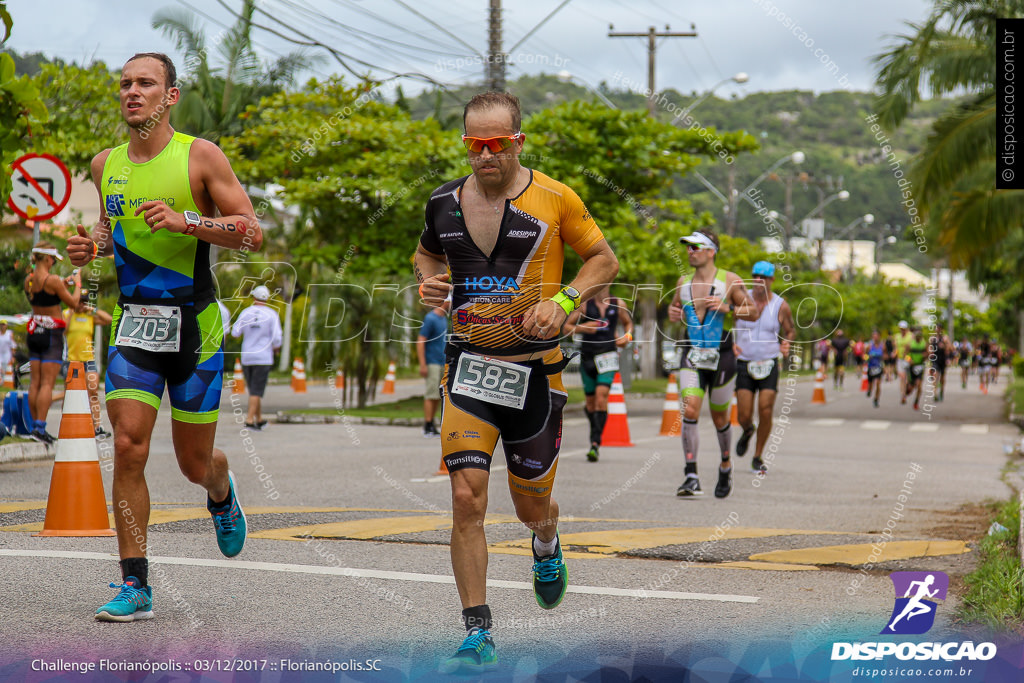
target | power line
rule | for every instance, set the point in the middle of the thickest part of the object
(542, 22)
(437, 26)
(652, 36)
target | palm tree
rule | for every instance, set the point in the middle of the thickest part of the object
(214, 95)
(951, 54)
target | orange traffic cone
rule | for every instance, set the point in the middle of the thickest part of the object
(864, 377)
(76, 505)
(734, 411)
(238, 381)
(671, 415)
(299, 376)
(389, 380)
(9, 375)
(339, 380)
(616, 429)
(441, 469)
(819, 387)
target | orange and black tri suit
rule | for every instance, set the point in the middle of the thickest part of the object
(491, 295)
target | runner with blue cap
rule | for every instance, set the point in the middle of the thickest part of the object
(758, 356)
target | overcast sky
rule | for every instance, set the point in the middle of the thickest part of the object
(780, 44)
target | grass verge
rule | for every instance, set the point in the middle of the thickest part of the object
(995, 590)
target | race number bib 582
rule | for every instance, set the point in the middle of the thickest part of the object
(151, 328)
(491, 380)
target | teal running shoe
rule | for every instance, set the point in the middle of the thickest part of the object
(475, 655)
(550, 577)
(229, 522)
(131, 604)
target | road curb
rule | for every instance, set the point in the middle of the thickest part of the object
(23, 451)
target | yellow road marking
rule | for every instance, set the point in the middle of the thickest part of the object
(621, 540)
(864, 553)
(372, 528)
(24, 505)
(767, 566)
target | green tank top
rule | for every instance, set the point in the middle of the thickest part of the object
(161, 267)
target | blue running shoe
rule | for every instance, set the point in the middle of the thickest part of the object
(131, 604)
(474, 655)
(229, 522)
(550, 577)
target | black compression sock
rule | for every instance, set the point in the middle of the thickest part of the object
(477, 617)
(137, 567)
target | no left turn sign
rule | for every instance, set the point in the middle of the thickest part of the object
(41, 186)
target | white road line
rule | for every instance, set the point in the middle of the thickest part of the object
(875, 425)
(828, 422)
(924, 427)
(974, 429)
(377, 574)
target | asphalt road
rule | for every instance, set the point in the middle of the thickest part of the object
(763, 577)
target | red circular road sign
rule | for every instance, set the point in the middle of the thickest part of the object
(41, 186)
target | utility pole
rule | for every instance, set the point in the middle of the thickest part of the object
(495, 57)
(652, 47)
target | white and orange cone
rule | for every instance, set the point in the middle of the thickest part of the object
(9, 375)
(671, 415)
(238, 380)
(76, 505)
(299, 376)
(389, 380)
(864, 383)
(339, 380)
(734, 411)
(616, 429)
(819, 387)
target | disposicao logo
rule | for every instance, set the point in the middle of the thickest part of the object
(917, 597)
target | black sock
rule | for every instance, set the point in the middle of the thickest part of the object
(137, 567)
(600, 418)
(223, 504)
(477, 617)
(691, 468)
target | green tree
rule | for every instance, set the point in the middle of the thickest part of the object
(359, 170)
(215, 92)
(950, 53)
(20, 109)
(85, 116)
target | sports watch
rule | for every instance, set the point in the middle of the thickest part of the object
(192, 221)
(568, 298)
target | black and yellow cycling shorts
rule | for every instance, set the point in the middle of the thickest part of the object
(531, 435)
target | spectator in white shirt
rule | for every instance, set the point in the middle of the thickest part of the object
(260, 329)
(7, 346)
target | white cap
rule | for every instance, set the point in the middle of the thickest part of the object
(49, 252)
(903, 325)
(699, 239)
(260, 293)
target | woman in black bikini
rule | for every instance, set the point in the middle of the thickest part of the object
(46, 291)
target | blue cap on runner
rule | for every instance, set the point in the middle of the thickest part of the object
(764, 268)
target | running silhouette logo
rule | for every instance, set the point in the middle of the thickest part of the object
(917, 598)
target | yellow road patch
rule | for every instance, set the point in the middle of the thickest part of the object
(864, 553)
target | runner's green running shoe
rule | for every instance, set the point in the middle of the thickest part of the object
(474, 655)
(131, 603)
(229, 522)
(550, 576)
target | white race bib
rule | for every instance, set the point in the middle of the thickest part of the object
(607, 362)
(151, 328)
(759, 369)
(491, 380)
(703, 359)
(917, 369)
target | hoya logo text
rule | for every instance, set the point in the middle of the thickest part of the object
(490, 285)
(947, 652)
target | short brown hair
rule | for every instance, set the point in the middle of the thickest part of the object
(710, 234)
(493, 99)
(170, 72)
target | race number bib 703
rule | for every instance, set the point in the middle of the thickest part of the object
(491, 380)
(607, 362)
(151, 328)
